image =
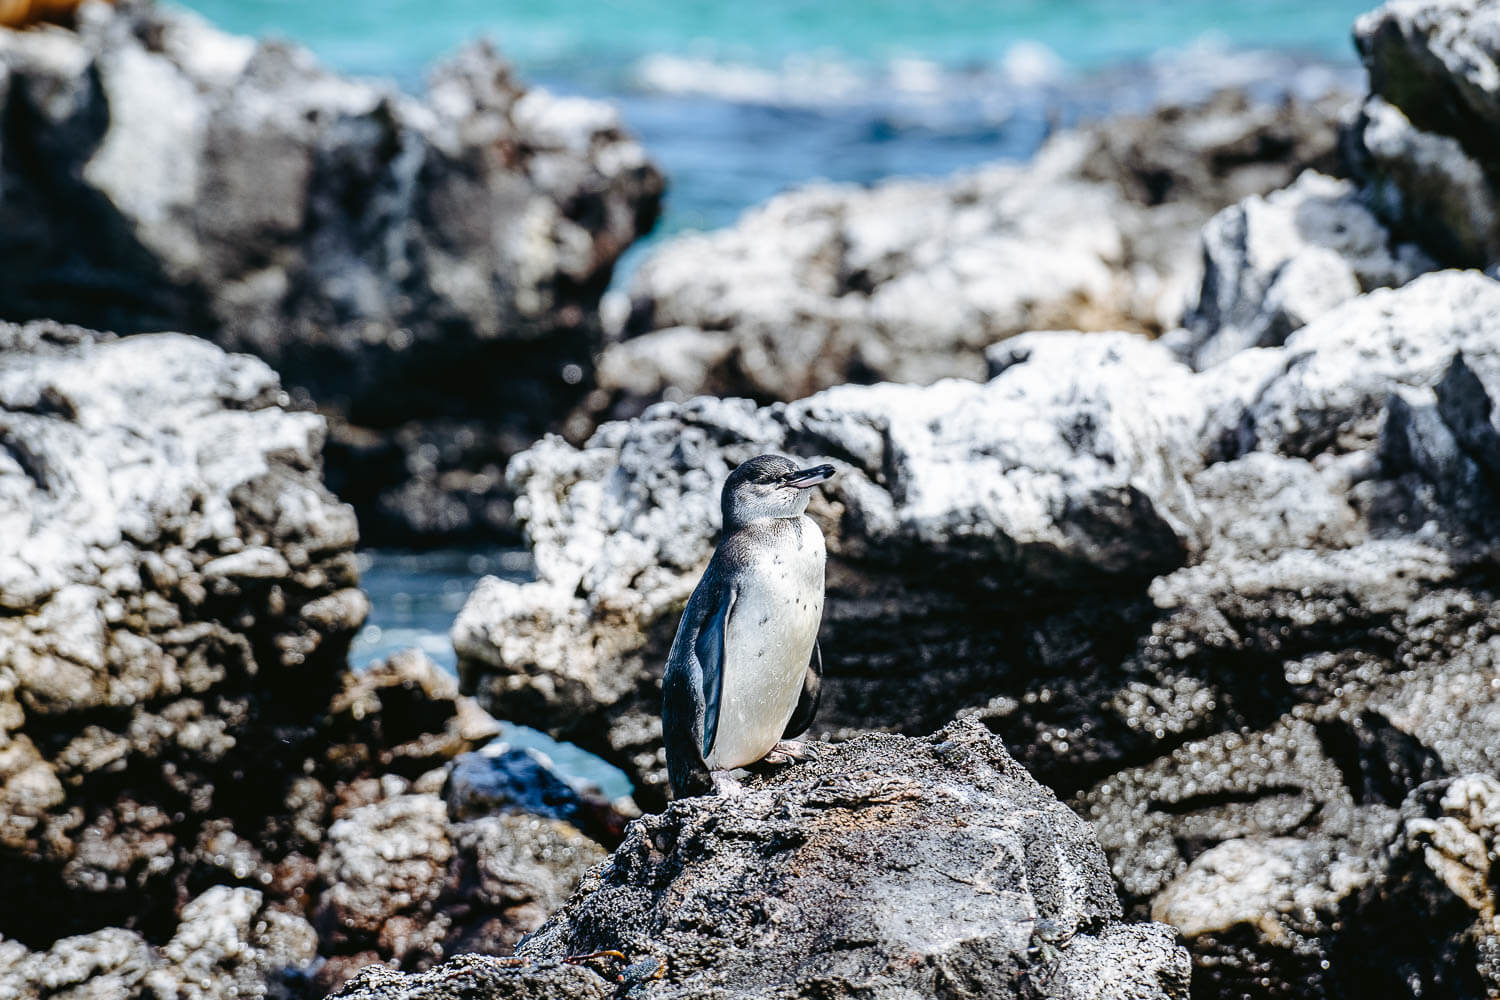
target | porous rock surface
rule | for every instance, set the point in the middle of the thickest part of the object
(179, 594)
(227, 946)
(1424, 142)
(178, 725)
(426, 270)
(482, 976)
(893, 867)
(910, 281)
(406, 884)
(1252, 606)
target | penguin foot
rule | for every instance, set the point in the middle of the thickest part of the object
(790, 751)
(727, 785)
(786, 752)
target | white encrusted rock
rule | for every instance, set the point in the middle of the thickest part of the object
(1273, 264)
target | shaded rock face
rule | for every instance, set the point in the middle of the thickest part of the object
(893, 867)
(177, 722)
(1399, 903)
(427, 272)
(403, 885)
(910, 281)
(227, 946)
(1424, 143)
(402, 715)
(1236, 616)
(1439, 870)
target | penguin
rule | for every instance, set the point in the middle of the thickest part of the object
(745, 672)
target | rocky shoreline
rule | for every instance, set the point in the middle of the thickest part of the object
(197, 797)
(1230, 593)
(426, 271)
(1161, 647)
(350, 259)
(910, 281)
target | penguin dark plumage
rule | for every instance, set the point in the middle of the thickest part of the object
(744, 672)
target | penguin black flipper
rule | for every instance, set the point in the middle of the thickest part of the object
(695, 677)
(710, 650)
(812, 693)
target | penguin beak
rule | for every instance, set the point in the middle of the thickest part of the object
(805, 478)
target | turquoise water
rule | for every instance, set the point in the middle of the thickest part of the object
(738, 101)
(590, 41)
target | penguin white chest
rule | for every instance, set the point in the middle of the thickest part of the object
(768, 644)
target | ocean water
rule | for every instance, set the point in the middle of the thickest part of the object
(738, 101)
(598, 39)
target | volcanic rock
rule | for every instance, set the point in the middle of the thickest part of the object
(1252, 606)
(891, 867)
(1272, 264)
(227, 946)
(1423, 145)
(178, 724)
(426, 271)
(910, 281)
(403, 886)
(501, 778)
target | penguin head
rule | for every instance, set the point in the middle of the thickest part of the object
(769, 486)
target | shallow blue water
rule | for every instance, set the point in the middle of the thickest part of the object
(414, 597)
(738, 101)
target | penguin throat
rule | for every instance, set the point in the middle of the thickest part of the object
(744, 513)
